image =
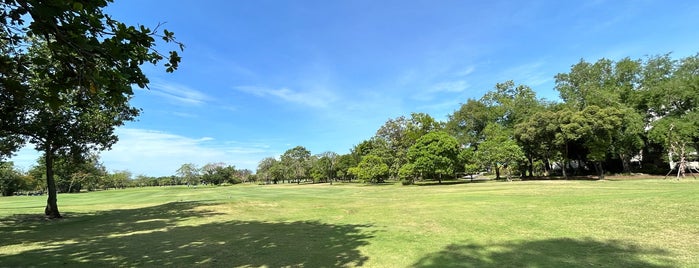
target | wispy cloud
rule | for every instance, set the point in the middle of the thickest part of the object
(159, 153)
(450, 86)
(184, 115)
(311, 98)
(531, 74)
(467, 71)
(180, 94)
(447, 87)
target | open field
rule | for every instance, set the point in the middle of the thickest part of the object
(631, 223)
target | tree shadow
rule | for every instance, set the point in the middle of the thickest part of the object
(162, 236)
(444, 182)
(562, 252)
(561, 178)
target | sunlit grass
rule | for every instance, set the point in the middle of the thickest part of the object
(651, 223)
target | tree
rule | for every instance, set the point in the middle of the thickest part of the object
(467, 158)
(119, 179)
(297, 161)
(217, 173)
(537, 136)
(498, 150)
(399, 134)
(189, 173)
(671, 91)
(510, 105)
(266, 169)
(344, 163)
(680, 136)
(588, 84)
(467, 123)
(374, 146)
(434, 155)
(237, 176)
(325, 167)
(371, 169)
(10, 179)
(601, 125)
(68, 91)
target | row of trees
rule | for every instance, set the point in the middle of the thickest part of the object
(89, 174)
(212, 174)
(615, 116)
(297, 165)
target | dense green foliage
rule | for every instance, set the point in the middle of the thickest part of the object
(433, 156)
(67, 71)
(371, 169)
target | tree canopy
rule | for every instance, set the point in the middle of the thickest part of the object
(67, 71)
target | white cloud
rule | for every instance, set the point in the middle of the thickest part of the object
(441, 88)
(450, 86)
(158, 153)
(179, 94)
(184, 115)
(465, 72)
(311, 98)
(531, 74)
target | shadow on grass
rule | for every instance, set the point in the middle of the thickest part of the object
(165, 235)
(546, 253)
(444, 182)
(561, 178)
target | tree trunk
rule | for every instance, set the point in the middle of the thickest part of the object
(497, 172)
(600, 170)
(625, 163)
(670, 159)
(531, 165)
(51, 209)
(683, 163)
(565, 162)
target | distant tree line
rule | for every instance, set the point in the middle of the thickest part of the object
(89, 174)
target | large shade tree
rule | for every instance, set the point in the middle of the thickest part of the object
(371, 169)
(401, 133)
(297, 162)
(434, 155)
(67, 71)
(499, 150)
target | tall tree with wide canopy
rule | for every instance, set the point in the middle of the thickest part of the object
(468, 122)
(401, 133)
(189, 173)
(371, 169)
(607, 84)
(670, 90)
(67, 71)
(434, 155)
(297, 161)
(499, 149)
(511, 104)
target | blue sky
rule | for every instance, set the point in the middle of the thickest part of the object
(260, 77)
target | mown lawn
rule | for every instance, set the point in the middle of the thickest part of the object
(631, 223)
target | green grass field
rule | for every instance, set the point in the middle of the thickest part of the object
(629, 223)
